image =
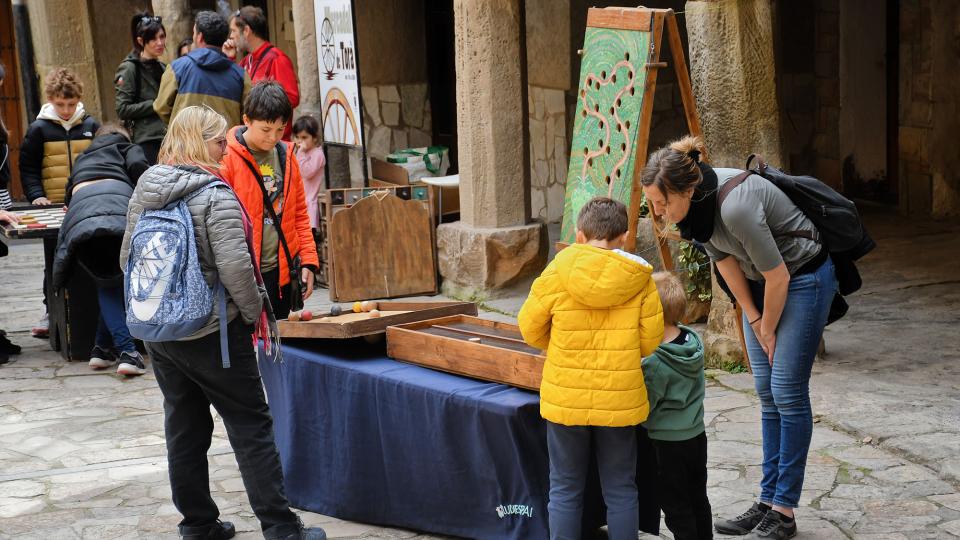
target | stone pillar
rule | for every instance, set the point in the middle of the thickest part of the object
(493, 246)
(305, 29)
(178, 21)
(733, 73)
(732, 70)
(62, 37)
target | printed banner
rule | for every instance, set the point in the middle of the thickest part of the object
(339, 72)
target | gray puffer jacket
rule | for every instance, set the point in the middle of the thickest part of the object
(218, 226)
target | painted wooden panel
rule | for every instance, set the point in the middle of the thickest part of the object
(605, 130)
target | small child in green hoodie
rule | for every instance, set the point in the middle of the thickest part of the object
(675, 388)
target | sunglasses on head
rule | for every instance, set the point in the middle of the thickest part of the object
(147, 19)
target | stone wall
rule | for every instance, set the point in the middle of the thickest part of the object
(549, 153)
(396, 116)
(929, 99)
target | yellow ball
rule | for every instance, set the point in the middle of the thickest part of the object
(357, 307)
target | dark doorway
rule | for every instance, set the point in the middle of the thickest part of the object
(442, 75)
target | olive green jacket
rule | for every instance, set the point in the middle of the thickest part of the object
(137, 110)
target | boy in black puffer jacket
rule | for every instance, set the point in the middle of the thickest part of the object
(97, 196)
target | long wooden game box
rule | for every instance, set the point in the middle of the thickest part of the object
(470, 346)
(351, 324)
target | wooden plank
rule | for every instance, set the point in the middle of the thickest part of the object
(409, 343)
(643, 135)
(473, 333)
(620, 18)
(382, 247)
(683, 76)
(415, 311)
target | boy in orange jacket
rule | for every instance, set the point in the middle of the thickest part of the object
(261, 167)
(596, 312)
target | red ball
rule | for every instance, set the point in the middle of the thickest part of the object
(306, 315)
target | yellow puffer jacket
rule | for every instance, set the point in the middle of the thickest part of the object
(597, 314)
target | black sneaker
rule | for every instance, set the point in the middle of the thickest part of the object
(131, 363)
(744, 523)
(774, 526)
(221, 530)
(101, 358)
(6, 347)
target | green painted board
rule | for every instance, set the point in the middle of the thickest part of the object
(612, 77)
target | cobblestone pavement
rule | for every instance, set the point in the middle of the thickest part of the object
(82, 453)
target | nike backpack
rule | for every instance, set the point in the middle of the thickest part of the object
(167, 297)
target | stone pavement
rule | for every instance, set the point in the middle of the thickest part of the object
(82, 453)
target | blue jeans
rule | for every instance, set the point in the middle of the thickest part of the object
(784, 388)
(112, 329)
(569, 448)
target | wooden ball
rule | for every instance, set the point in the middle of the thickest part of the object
(357, 307)
(367, 305)
(335, 310)
(293, 316)
(375, 313)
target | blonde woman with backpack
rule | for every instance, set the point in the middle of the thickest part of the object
(192, 372)
(784, 282)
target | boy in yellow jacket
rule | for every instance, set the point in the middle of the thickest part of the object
(596, 312)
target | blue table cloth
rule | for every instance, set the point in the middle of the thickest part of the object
(366, 438)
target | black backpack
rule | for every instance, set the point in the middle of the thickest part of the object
(839, 228)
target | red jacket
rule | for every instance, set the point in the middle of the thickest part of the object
(269, 62)
(294, 219)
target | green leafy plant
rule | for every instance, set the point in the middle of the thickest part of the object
(695, 268)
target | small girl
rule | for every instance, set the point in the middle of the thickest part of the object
(306, 135)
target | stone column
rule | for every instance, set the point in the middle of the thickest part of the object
(493, 246)
(305, 29)
(178, 21)
(62, 37)
(733, 73)
(732, 70)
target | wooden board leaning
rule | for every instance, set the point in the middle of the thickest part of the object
(351, 325)
(470, 346)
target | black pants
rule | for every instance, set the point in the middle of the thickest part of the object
(279, 296)
(682, 472)
(191, 378)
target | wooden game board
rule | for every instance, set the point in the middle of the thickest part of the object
(610, 97)
(470, 346)
(36, 222)
(350, 324)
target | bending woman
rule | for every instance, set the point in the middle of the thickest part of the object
(784, 284)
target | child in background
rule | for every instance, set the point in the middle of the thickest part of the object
(53, 141)
(675, 388)
(595, 310)
(306, 135)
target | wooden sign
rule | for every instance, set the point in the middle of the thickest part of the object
(479, 348)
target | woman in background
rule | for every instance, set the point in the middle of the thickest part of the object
(137, 82)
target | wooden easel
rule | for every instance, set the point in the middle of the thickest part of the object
(653, 21)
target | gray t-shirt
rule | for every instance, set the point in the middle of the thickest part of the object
(750, 226)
